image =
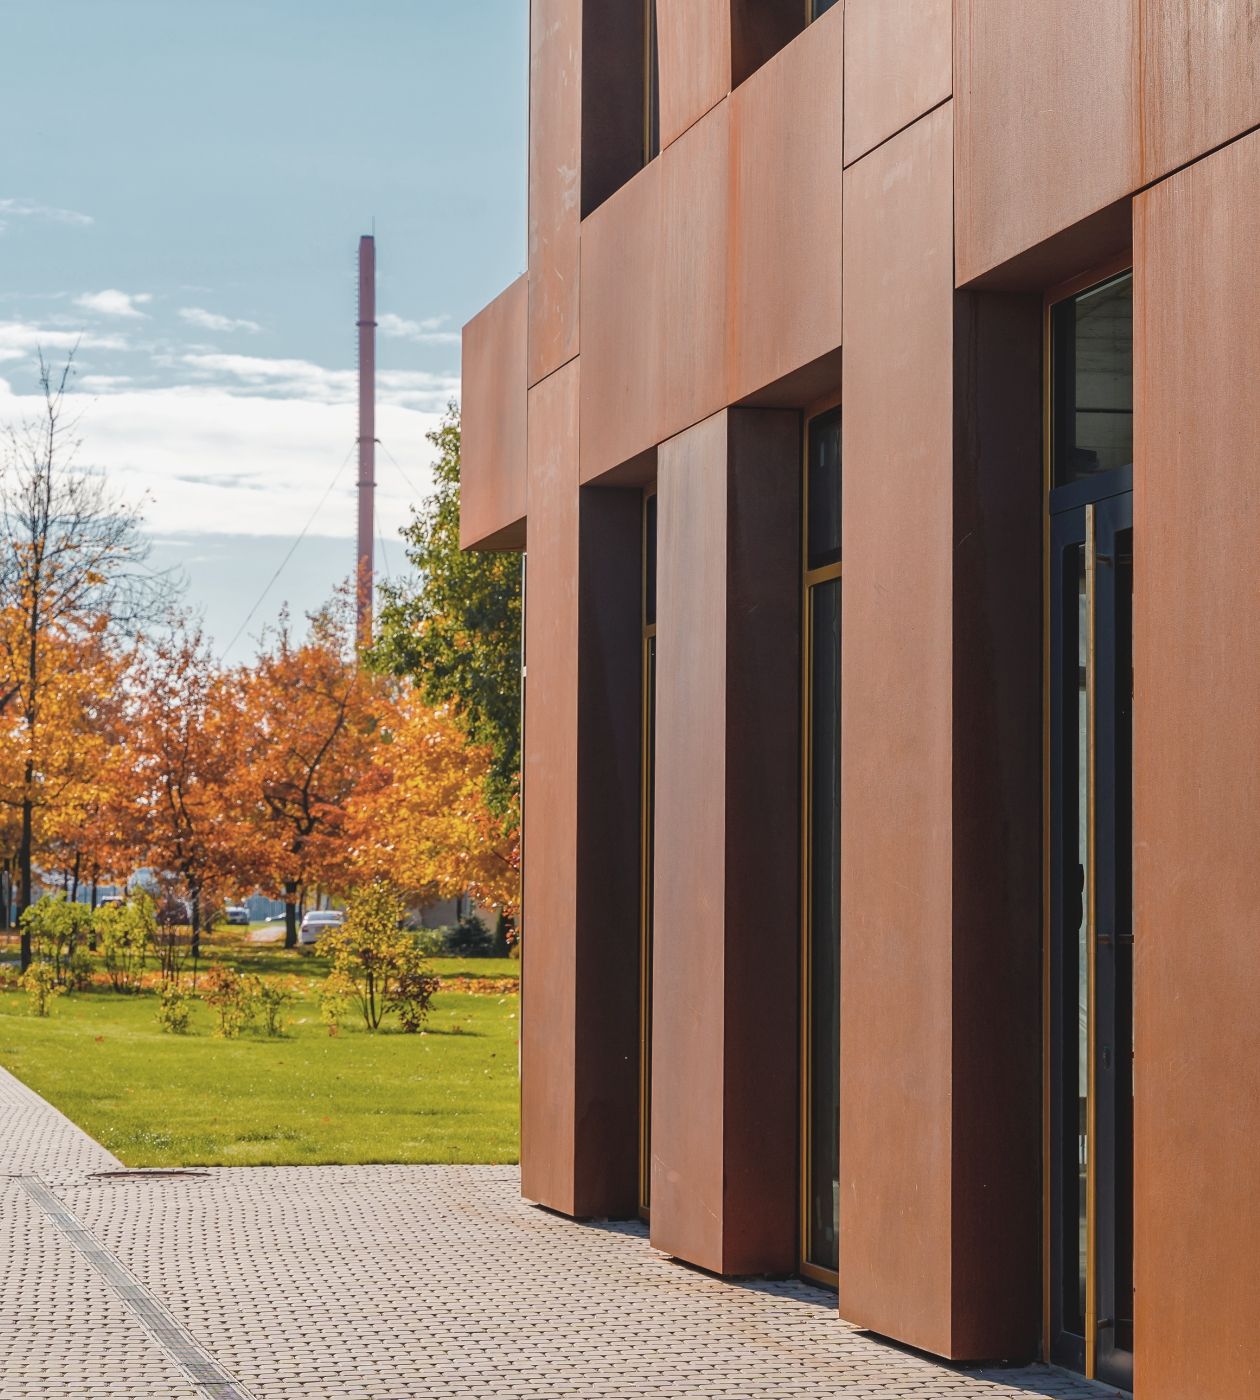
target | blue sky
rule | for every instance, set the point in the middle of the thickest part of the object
(183, 187)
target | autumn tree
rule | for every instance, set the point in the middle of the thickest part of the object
(73, 571)
(313, 718)
(420, 819)
(183, 744)
(454, 631)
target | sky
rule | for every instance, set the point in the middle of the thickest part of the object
(182, 191)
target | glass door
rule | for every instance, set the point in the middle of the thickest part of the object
(1090, 943)
(820, 845)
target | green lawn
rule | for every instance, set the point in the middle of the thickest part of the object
(154, 1099)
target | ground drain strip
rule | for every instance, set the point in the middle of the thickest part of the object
(174, 1339)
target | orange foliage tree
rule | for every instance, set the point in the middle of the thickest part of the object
(313, 718)
(420, 818)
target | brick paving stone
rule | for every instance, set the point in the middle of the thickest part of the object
(404, 1283)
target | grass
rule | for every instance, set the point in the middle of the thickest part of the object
(159, 1100)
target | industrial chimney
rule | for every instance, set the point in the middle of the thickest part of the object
(367, 436)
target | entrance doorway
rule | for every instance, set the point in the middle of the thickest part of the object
(1090, 944)
(820, 847)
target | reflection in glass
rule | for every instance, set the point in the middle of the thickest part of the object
(820, 7)
(1092, 349)
(823, 928)
(823, 530)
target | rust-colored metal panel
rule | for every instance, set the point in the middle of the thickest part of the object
(492, 490)
(1196, 879)
(724, 1049)
(897, 735)
(555, 162)
(694, 43)
(579, 1047)
(1200, 78)
(548, 1043)
(898, 65)
(786, 188)
(695, 199)
(622, 326)
(1047, 121)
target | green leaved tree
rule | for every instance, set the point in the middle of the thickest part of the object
(455, 630)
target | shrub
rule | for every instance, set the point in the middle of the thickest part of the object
(414, 989)
(430, 941)
(226, 992)
(373, 958)
(470, 938)
(174, 1008)
(334, 1000)
(39, 982)
(271, 995)
(123, 934)
(57, 928)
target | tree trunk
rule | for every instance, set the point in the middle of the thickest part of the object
(290, 914)
(24, 868)
(194, 904)
(74, 886)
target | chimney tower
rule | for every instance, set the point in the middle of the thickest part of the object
(367, 436)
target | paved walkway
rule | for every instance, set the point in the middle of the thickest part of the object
(389, 1283)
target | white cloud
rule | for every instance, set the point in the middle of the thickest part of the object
(426, 332)
(214, 461)
(112, 302)
(104, 383)
(212, 321)
(33, 209)
(300, 379)
(18, 339)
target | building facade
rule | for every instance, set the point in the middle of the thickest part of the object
(879, 414)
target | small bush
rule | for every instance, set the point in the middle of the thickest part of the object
(470, 938)
(431, 942)
(39, 982)
(334, 1000)
(375, 960)
(174, 1008)
(123, 934)
(226, 992)
(271, 995)
(414, 989)
(57, 928)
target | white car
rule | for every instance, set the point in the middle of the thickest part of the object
(318, 921)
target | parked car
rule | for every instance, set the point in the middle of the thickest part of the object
(236, 914)
(319, 921)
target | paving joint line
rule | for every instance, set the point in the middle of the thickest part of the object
(178, 1343)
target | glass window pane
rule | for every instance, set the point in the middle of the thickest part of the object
(823, 532)
(649, 560)
(823, 930)
(1092, 338)
(820, 7)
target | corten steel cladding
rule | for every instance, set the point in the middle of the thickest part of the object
(492, 486)
(579, 1048)
(724, 1044)
(898, 64)
(367, 435)
(555, 176)
(1196, 880)
(1047, 121)
(786, 197)
(1199, 88)
(939, 982)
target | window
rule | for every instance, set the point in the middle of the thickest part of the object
(1092, 365)
(815, 9)
(651, 84)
